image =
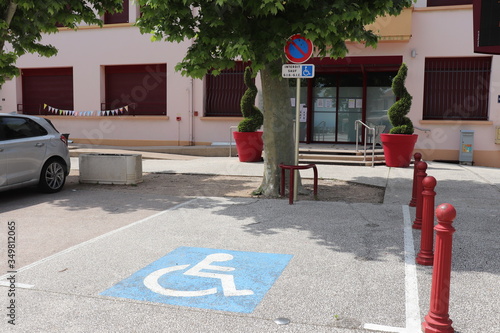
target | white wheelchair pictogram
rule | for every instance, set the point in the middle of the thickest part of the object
(227, 280)
(306, 71)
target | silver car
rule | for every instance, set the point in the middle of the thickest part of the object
(32, 152)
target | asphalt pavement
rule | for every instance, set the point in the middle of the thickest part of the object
(111, 261)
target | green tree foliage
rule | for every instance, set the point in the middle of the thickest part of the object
(22, 23)
(398, 111)
(253, 116)
(257, 30)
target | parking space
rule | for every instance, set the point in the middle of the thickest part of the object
(314, 270)
(89, 261)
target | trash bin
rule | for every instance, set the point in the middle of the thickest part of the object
(466, 147)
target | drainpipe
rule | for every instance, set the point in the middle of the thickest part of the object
(190, 111)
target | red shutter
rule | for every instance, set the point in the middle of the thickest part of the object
(142, 87)
(432, 3)
(457, 88)
(121, 17)
(51, 86)
(224, 92)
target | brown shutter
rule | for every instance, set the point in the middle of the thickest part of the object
(457, 88)
(51, 86)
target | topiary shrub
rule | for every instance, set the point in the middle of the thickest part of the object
(253, 116)
(398, 111)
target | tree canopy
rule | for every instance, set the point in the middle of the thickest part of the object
(257, 30)
(22, 23)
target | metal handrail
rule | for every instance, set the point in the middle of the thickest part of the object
(367, 128)
(425, 130)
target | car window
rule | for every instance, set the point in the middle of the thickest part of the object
(18, 128)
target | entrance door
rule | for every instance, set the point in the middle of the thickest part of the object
(337, 104)
(350, 106)
(324, 108)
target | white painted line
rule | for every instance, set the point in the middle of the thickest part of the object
(413, 324)
(382, 328)
(90, 241)
(17, 285)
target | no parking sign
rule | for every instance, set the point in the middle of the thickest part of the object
(298, 49)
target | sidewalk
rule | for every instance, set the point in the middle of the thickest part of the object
(347, 268)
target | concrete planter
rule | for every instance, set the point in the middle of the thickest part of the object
(123, 169)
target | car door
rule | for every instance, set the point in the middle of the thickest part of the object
(22, 150)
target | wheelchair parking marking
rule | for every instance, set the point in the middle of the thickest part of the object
(227, 281)
(188, 277)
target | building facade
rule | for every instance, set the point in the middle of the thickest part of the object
(113, 86)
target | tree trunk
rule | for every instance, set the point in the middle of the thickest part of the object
(279, 144)
(8, 15)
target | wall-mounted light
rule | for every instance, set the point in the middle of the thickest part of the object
(413, 53)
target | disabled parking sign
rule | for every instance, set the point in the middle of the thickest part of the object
(223, 280)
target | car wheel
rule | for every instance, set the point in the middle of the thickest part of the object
(53, 176)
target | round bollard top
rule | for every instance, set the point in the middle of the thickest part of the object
(421, 166)
(417, 156)
(429, 182)
(446, 212)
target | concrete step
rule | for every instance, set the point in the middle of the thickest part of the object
(328, 157)
(339, 151)
(340, 156)
(343, 162)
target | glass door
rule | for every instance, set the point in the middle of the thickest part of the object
(380, 98)
(337, 104)
(324, 99)
(350, 106)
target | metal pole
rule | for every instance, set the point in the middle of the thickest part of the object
(421, 168)
(413, 201)
(426, 254)
(438, 319)
(297, 134)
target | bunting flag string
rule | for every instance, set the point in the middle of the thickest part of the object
(115, 112)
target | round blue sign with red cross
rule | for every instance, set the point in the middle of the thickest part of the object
(298, 49)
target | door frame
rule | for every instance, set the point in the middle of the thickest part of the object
(361, 64)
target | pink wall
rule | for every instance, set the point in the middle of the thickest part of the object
(436, 32)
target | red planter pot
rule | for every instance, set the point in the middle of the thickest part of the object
(398, 149)
(249, 146)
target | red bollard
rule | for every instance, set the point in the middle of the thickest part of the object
(426, 255)
(413, 201)
(421, 167)
(438, 319)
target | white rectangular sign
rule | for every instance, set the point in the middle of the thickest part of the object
(300, 71)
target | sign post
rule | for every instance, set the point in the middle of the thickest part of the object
(298, 49)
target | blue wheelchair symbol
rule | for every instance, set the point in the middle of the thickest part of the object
(188, 276)
(307, 71)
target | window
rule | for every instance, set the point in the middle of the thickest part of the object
(457, 88)
(143, 88)
(224, 92)
(432, 3)
(51, 86)
(379, 98)
(18, 128)
(119, 17)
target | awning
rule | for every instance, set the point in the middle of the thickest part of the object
(393, 28)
